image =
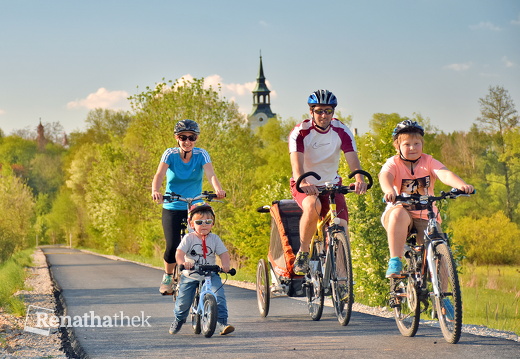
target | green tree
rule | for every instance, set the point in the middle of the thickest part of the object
(498, 118)
(17, 208)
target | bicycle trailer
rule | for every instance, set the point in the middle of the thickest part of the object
(283, 246)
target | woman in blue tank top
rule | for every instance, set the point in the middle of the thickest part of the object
(183, 167)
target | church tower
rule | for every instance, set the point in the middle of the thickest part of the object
(40, 139)
(261, 102)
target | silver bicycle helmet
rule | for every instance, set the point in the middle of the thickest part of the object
(407, 126)
(186, 126)
(322, 97)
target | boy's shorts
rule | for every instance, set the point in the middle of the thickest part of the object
(418, 223)
(341, 205)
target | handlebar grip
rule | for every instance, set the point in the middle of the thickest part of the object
(457, 192)
(364, 173)
(303, 176)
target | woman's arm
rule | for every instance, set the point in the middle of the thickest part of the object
(212, 178)
(157, 182)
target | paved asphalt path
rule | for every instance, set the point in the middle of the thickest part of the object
(106, 287)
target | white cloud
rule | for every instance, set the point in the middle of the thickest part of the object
(508, 62)
(102, 98)
(2, 112)
(516, 21)
(485, 25)
(458, 67)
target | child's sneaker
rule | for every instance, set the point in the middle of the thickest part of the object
(224, 329)
(176, 326)
(448, 308)
(167, 284)
(394, 268)
(301, 263)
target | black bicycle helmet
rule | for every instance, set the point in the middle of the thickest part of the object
(322, 97)
(407, 126)
(200, 207)
(186, 126)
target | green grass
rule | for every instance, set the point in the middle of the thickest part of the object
(12, 276)
(491, 296)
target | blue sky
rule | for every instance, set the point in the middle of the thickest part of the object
(59, 59)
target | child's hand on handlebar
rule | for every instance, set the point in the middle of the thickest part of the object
(220, 193)
(390, 197)
(188, 265)
(467, 188)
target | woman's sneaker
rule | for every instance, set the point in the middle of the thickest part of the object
(301, 263)
(394, 268)
(224, 329)
(167, 284)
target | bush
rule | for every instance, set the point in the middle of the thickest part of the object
(489, 240)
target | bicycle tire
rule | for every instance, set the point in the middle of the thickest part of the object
(342, 278)
(195, 317)
(314, 286)
(263, 290)
(405, 297)
(450, 319)
(209, 315)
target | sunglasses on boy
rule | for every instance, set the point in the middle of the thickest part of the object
(327, 111)
(192, 138)
(199, 222)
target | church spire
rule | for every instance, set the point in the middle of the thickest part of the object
(261, 101)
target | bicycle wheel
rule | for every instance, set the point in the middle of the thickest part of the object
(209, 315)
(341, 278)
(263, 291)
(314, 286)
(449, 303)
(195, 318)
(405, 299)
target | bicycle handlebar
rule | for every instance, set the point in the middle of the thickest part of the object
(203, 268)
(415, 198)
(172, 197)
(341, 189)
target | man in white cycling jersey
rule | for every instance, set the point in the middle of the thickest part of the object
(316, 145)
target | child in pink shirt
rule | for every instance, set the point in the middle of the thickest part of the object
(410, 171)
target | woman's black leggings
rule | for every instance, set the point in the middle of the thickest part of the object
(172, 222)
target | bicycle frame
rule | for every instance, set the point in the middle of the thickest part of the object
(432, 262)
(204, 288)
(330, 260)
(330, 223)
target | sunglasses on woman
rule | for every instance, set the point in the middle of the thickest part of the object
(192, 138)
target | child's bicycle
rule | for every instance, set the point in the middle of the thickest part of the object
(429, 272)
(330, 262)
(204, 310)
(172, 197)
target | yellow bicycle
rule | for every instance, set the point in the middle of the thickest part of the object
(330, 260)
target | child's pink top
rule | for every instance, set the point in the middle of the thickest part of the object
(420, 182)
